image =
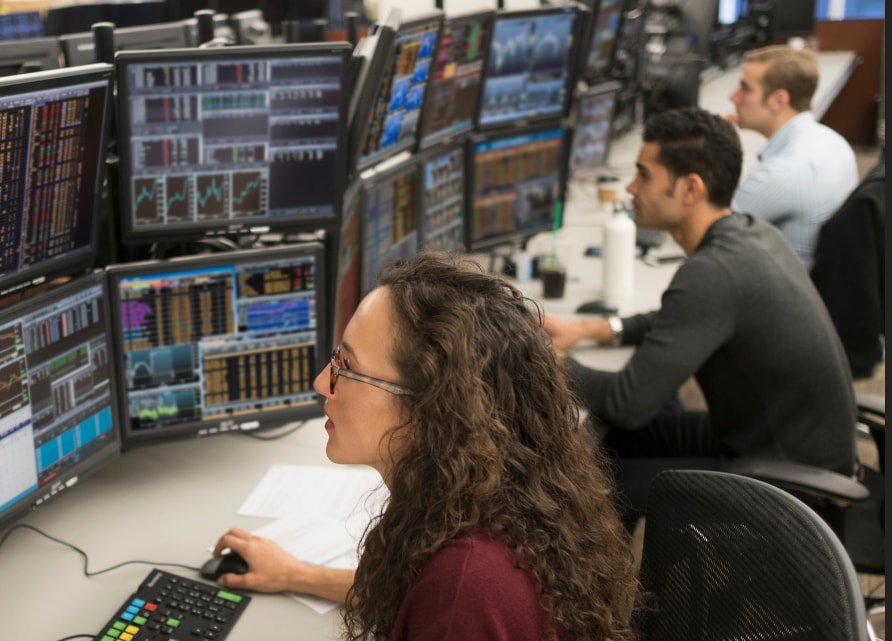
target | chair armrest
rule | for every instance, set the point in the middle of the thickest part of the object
(807, 479)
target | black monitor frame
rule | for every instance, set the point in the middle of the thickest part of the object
(427, 139)
(579, 15)
(580, 166)
(407, 244)
(383, 96)
(73, 431)
(83, 202)
(80, 48)
(793, 19)
(450, 201)
(287, 217)
(598, 69)
(189, 286)
(477, 242)
(348, 266)
(29, 55)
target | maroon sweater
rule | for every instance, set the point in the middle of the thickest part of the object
(471, 589)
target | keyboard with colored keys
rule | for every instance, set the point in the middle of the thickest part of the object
(167, 607)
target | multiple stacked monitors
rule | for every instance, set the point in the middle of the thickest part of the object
(396, 111)
(606, 24)
(231, 138)
(592, 131)
(52, 145)
(529, 69)
(57, 401)
(516, 183)
(219, 342)
(455, 81)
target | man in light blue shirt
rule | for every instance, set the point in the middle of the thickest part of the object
(806, 170)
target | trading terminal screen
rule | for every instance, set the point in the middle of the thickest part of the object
(517, 181)
(390, 220)
(528, 69)
(52, 157)
(57, 393)
(396, 114)
(219, 342)
(349, 265)
(603, 39)
(454, 91)
(443, 198)
(231, 138)
(593, 128)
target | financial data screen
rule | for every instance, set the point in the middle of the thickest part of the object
(443, 200)
(216, 142)
(216, 345)
(603, 38)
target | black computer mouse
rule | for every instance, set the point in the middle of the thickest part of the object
(230, 563)
(596, 307)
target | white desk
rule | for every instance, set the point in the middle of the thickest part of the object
(168, 503)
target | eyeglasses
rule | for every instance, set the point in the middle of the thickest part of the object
(337, 369)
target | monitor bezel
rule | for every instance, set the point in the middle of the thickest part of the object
(514, 237)
(369, 181)
(260, 420)
(592, 92)
(166, 232)
(457, 144)
(79, 260)
(40, 496)
(409, 144)
(354, 196)
(580, 21)
(459, 131)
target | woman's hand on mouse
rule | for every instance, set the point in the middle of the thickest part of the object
(272, 569)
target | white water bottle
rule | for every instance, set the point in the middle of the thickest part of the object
(618, 257)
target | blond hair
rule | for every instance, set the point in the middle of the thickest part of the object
(793, 70)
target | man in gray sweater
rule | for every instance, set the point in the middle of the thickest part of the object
(741, 315)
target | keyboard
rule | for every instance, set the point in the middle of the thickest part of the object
(167, 607)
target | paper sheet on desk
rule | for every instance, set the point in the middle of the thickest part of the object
(336, 492)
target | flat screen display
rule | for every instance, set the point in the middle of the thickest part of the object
(349, 262)
(603, 38)
(57, 400)
(219, 342)
(227, 139)
(592, 129)
(454, 91)
(389, 219)
(53, 127)
(518, 180)
(443, 198)
(528, 72)
(396, 114)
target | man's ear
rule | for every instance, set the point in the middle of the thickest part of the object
(694, 189)
(779, 99)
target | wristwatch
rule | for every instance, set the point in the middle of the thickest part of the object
(616, 330)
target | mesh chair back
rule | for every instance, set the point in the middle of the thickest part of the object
(732, 558)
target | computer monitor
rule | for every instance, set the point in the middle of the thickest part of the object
(219, 342)
(227, 140)
(27, 56)
(349, 264)
(20, 25)
(53, 127)
(443, 192)
(592, 131)
(517, 181)
(454, 92)
(80, 48)
(58, 398)
(794, 18)
(389, 219)
(731, 11)
(395, 115)
(529, 72)
(601, 41)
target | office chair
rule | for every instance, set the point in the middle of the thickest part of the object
(854, 509)
(728, 557)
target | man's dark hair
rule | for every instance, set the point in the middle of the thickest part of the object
(694, 141)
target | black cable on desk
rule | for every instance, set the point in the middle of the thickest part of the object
(23, 526)
(78, 636)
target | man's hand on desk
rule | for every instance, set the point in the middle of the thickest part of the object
(272, 569)
(565, 332)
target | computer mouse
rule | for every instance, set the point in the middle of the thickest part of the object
(230, 563)
(596, 307)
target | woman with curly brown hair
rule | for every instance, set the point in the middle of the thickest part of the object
(500, 522)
